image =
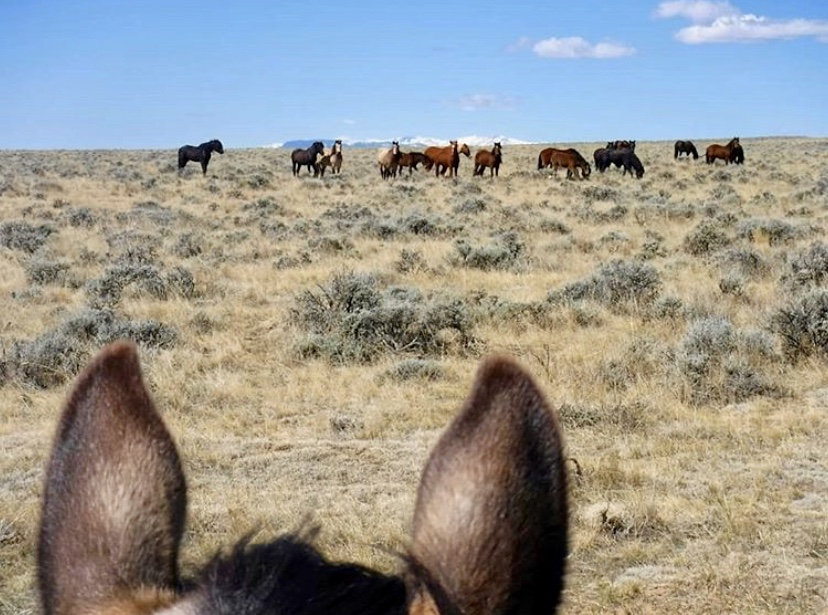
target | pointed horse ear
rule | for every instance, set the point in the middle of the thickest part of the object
(114, 497)
(491, 519)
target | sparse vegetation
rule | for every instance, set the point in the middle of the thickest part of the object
(307, 340)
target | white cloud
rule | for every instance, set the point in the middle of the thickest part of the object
(522, 43)
(723, 23)
(573, 47)
(697, 11)
(473, 102)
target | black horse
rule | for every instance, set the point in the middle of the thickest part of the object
(685, 147)
(737, 155)
(198, 153)
(301, 157)
(625, 157)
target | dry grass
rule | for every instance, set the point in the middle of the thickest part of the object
(675, 321)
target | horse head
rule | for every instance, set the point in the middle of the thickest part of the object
(217, 146)
(464, 149)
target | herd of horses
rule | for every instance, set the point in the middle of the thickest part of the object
(446, 160)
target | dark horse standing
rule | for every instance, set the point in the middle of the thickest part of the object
(198, 153)
(301, 157)
(685, 147)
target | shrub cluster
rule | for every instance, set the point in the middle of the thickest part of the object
(60, 353)
(354, 318)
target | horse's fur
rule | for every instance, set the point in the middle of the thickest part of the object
(737, 156)
(412, 159)
(491, 159)
(626, 158)
(447, 158)
(198, 153)
(307, 157)
(723, 152)
(569, 159)
(489, 532)
(332, 159)
(389, 160)
(685, 147)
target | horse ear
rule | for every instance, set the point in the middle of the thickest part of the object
(114, 497)
(490, 523)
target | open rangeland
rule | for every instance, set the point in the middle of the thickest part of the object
(307, 339)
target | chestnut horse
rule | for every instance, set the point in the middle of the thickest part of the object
(725, 152)
(447, 158)
(569, 159)
(491, 159)
(489, 530)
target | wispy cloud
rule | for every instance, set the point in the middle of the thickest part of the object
(721, 22)
(697, 11)
(575, 47)
(474, 102)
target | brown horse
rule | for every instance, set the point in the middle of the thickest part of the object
(332, 159)
(725, 152)
(447, 158)
(489, 531)
(412, 159)
(389, 160)
(491, 159)
(569, 159)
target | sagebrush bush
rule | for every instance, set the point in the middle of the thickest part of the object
(802, 325)
(507, 252)
(719, 364)
(619, 284)
(773, 231)
(353, 318)
(706, 239)
(24, 236)
(60, 353)
(416, 369)
(807, 268)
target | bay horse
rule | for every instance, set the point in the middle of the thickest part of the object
(569, 159)
(685, 147)
(447, 158)
(332, 159)
(307, 157)
(725, 152)
(389, 160)
(412, 159)
(489, 532)
(491, 159)
(198, 153)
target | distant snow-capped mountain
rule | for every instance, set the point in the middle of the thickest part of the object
(417, 141)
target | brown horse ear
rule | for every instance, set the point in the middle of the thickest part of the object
(491, 519)
(115, 497)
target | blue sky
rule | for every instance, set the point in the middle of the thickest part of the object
(160, 73)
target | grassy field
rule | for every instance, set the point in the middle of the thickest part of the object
(307, 339)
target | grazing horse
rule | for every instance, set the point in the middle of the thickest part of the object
(489, 531)
(490, 159)
(412, 159)
(198, 153)
(302, 157)
(685, 147)
(389, 160)
(332, 159)
(626, 158)
(725, 152)
(571, 160)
